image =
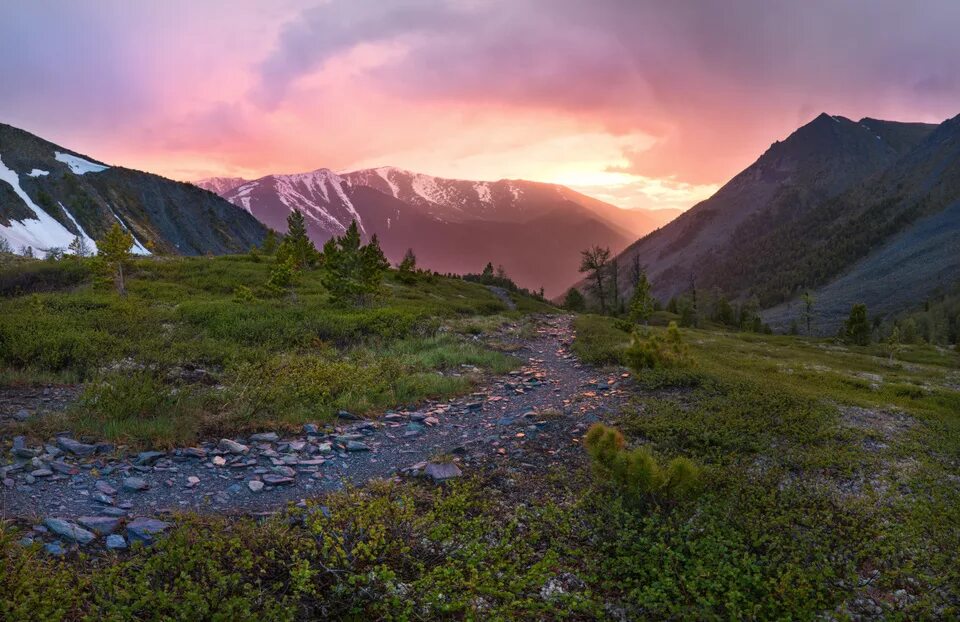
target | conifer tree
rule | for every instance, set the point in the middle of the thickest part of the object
(615, 286)
(407, 270)
(352, 272)
(270, 242)
(296, 246)
(641, 303)
(856, 329)
(807, 312)
(574, 301)
(114, 250)
(79, 247)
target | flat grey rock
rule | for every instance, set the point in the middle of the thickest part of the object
(441, 471)
(135, 484)
(75, 447)
(145, 529)
(100, 525)
(69, 531)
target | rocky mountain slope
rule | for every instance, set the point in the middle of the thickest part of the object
(534, 230)
(836, 199)
(50, 195)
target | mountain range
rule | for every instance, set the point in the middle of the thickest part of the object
(854, 211)
(534, 230)
(51, 195)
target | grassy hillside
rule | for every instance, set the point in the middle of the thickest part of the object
(183, 355)
(827, 475)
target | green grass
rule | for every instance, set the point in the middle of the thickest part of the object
(277, 362)
(805, 496)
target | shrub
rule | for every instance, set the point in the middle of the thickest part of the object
(281, 277)
(634, 473)
(242, 293)
(657, 351)
(35, 276)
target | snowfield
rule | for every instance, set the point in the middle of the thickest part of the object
(78, 165)
(40, 233)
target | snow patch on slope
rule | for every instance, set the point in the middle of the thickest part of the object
(384, 173)
(78, 165)
(91, 244)
(41, 233)
(483, 191)
(38, 173)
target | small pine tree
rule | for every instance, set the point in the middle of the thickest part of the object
(79, 247)
(635, 473)
(407, 269)
(114, 250)
(856, 329)
(281, 277)
(270, 242)
(574, 301)
(5, 247)
(641, 303)
(296, 246)
(807, 312)
(487, 274)
(352, 272)
(27, 251)
(54, 253)
(373, 265)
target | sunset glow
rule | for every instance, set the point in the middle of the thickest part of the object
(642, 104)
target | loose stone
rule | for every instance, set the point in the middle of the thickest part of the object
(135, 484)
(232, 446)
(145, 529)
(69, 530)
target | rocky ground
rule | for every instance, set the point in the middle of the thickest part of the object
(80, 492)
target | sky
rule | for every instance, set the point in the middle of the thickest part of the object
(639, 103)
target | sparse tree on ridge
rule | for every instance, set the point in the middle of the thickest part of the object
(594, 261)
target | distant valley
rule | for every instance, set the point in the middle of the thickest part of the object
(534, 230)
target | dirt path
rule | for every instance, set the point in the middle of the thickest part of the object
(530, 416)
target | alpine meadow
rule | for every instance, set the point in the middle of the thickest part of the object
(447, 310)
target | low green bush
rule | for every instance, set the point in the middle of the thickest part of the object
(654, 350)
(635, 473)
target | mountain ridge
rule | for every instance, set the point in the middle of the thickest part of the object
(805, 212)
(453, 225)
(53, 194)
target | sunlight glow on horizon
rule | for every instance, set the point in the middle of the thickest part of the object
(640, 104)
